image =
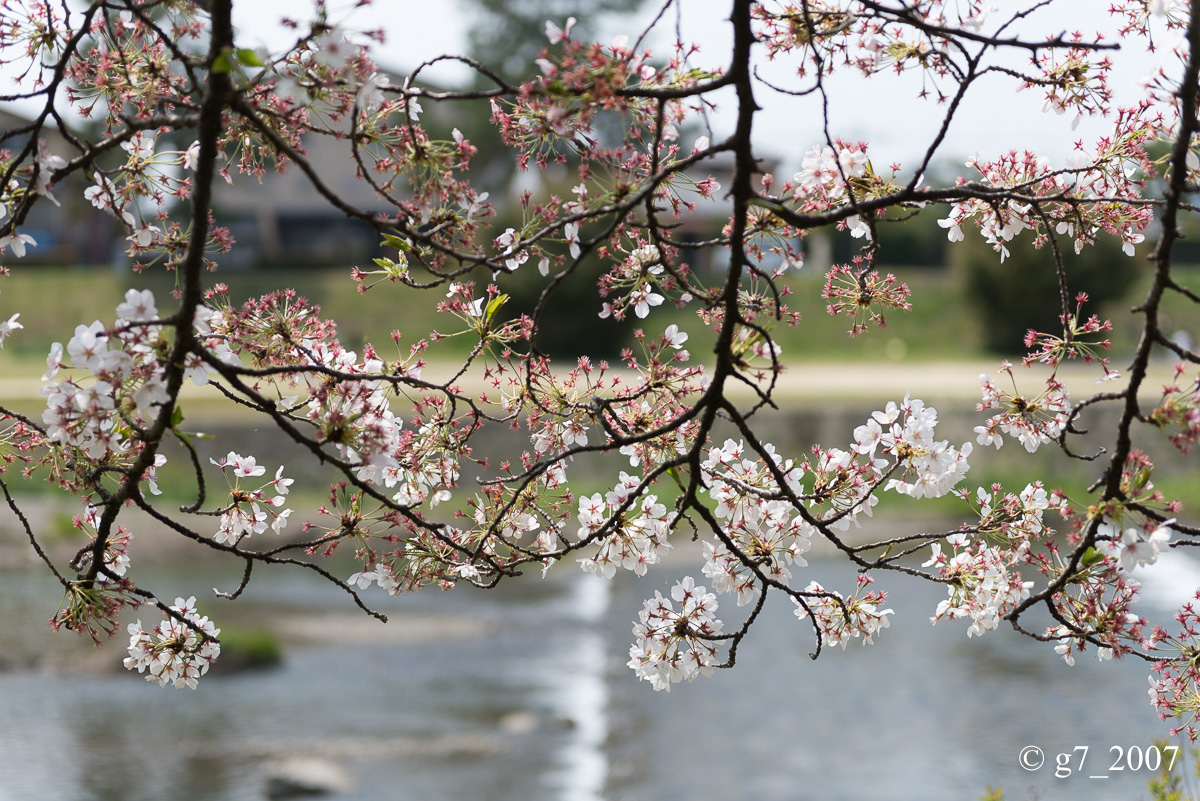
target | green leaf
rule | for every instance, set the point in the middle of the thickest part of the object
(250, 58)
(494, 306)
(393, 269)
(1142, 478)
(177, 416)
(673, 472)
(223, 63)
(398, 242)
(186, 437)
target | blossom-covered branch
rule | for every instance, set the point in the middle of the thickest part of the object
(622, 140)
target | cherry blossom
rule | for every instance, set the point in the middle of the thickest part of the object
(841, 620)
(673, 645)
(11, 324)
(178, 650)
(17, 242)
(1034, 421)
(400, 426)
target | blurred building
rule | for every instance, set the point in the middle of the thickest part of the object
(283, 220)
(71, 231)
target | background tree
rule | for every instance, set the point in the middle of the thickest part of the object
(1021, 294)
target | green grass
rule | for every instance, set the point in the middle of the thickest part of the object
(940, 326)
(248, 649)
(53, 300)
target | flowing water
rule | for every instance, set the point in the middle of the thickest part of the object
(522, 693)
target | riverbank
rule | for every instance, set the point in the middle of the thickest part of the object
(801, 382)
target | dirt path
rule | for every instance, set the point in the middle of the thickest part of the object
(831, 381)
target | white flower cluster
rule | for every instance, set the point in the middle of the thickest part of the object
(770, 535)
(930, 468)
(174, 651)
(1069, 644)
(1034, 422)
(1132, 545)
(737, 483)
(46, 165)
(672, 646)
(127, 376)
(844, 485)
(570, 432)
(421, 470)
(824, 173)
(116, 549)
(841, 622)
(999, 228)
(981, 586)
(511, 526)
(638, 536)
(640, 269)
(245, 516)
(509, 241)
(144, 187)
(659, 449)
(379, 574)
(1108, 172)
(354, 416)
(765, 530)
(1017, 518)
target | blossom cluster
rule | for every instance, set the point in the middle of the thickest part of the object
(829, 33)
(633, 531)
(1077, 201)
(178, 650)
(116, 545)
(840, 620)
(118, 383)
(771, 536)
(123, 376)
(859, 293)
(672, 645)
(250, 509)
(1178, 411)
(982, 583)
(1175, 693)
(927, 468)
(826, 175)
(1077, 342)
(1134, 546)
(140, 193)
(1034, 421)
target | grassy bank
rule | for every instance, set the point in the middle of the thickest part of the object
(53, 300)
(941, 325)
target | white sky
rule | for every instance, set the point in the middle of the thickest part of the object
(883, 111)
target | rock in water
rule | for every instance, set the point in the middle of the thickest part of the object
(291, 778)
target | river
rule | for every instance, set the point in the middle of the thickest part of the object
(521, 693)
